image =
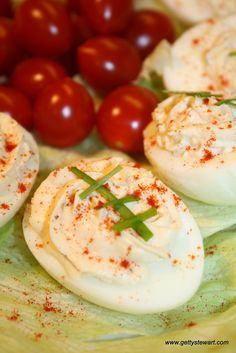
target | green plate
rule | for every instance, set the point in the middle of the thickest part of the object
(38, 315)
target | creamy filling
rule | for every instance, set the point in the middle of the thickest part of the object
(80, 230)
(202, 58)
(193, 11)
(195, 127)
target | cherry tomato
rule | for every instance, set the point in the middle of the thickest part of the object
(17, 105)
(73, 5)
(31, 75)
(43, 27)
(123, 115)
(5, 8)
(9, 50)
(64, 113)
(81, 30)
(107, 16)
(107, 62)
(147, 28)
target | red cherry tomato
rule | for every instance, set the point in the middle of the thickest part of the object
(147, 28)
(5, 8)
(81, 33)
(123, 115)
(81, 30)
(64, 113)
(107, 16)
(17, 105)
(73, 5)
(31, 75)
(9, 50)
(107, 62)
(43, 27)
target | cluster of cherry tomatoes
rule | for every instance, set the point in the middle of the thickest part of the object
(45, 42)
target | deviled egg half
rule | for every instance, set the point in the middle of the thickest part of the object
(191, 143)
(113, 233)
(19, 164)
(194, 11)
(202, 59)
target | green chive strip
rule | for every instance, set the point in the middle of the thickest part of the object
(232, 53)
(99, 183)
(128, 223)
(102, 190)
(202, 94)
(125, 213)
(228, 102)
(120, 202)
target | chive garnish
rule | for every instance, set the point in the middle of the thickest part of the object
(99, 183)
(151, 212)
(124, 211)
(201, 94)
(85, 177)
(204, 94)
(120, 202)
(231, 101)
(232, 53)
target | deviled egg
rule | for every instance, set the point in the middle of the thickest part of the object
(19, 164)
(113, 233)
(203, 58)
(194, 11)
(191, 143)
